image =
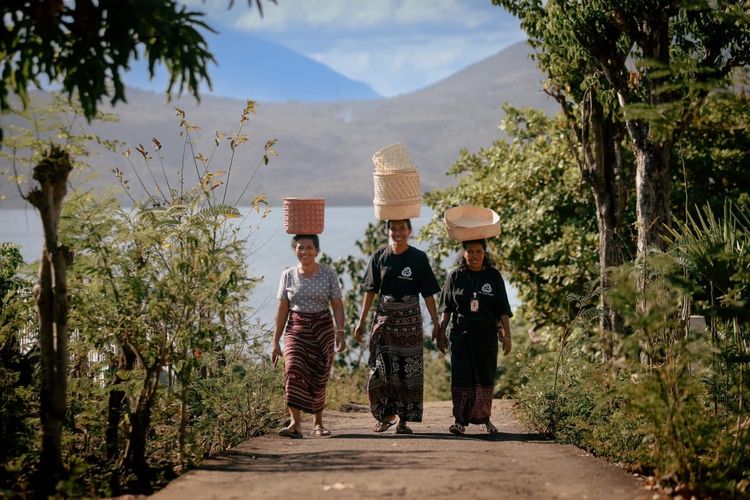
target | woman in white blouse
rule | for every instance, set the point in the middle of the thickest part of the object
(307, 293)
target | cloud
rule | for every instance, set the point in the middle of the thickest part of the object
(395, 46)
(418, 62)
(350, 15)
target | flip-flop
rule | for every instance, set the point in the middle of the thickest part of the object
(491, 429)
(321, 432)
(290, 432)
(384, 426)
(457, 429)
(403, 429)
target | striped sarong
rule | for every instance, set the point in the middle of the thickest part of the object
(473, 366)
(308, 354)
(396, 361)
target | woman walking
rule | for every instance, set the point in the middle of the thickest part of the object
(398, 273)
(306, 294)
(475, 304)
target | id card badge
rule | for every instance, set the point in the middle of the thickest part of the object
(474, 305)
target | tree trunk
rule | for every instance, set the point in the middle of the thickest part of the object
(652, 192)
(140, 425)
(600, 138)
(125, 361)
(52, 302)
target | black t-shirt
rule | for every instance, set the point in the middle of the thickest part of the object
(487, 286)
(408, 273)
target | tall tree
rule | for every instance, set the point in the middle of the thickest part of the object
(51, 174)
(627, 69)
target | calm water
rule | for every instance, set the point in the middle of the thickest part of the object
(269, 251)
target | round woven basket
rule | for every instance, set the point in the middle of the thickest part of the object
(398, 212)
(466, 223)
(393, 159)
(304, 215)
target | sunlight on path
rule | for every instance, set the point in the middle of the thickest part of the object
(357, 463)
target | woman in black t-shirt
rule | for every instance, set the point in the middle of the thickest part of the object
(475, 304)
(399, 274)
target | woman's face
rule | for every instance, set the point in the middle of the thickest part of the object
(398, 231)
(474, 255)
(305, 250)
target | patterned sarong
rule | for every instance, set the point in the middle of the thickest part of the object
(396, 360)
(308, 354)
(473, 366)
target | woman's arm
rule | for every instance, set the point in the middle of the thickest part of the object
(338, 315)
(429, 301)
(442, 340)
(282, 313)
(366, 304)
(503, 335)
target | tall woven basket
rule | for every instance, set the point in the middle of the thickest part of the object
(397, 195)
(304, 215)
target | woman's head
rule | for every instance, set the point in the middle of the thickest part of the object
(306, 247)
(399, 230)
(474, 255)
(399, 221)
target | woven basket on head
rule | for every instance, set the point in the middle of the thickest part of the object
(393, 159)
(466, 223)
(398, 212)
(304, 215)
(398, 189)
(397, 195)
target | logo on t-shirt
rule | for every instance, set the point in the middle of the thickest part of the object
(487, 289)
(406, 272)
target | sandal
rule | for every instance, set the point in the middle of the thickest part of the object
(320, 431)
(403, 429)
(290, 432)
(457, 429)
(491, 429)
(384, 425)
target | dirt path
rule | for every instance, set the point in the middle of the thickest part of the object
(357, 463)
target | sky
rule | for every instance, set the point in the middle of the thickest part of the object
(395, 46)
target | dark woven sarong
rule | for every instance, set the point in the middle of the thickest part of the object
(308, 354)
(473, 367)
(396, 365)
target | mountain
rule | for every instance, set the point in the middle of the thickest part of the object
(250, 67)
(325, 148)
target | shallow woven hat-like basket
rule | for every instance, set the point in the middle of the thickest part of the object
(304, 215)
(468, 222)
(393, 159)
(397, 195)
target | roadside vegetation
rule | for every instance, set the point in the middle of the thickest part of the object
(128, 353)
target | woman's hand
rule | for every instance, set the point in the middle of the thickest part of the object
(276, 353)
(338, 343)
(506, 341)
(358, 332)
(438, 336)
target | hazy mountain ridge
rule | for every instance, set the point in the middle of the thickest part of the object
(325, 148)
(251, 67)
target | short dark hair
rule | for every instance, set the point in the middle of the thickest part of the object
(313, 237)
(482, 242)
(408, 223)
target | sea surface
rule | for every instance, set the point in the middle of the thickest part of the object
(269, 249)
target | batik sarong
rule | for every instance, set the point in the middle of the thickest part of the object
(395, 386)
(473, 367)
(308, 354)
